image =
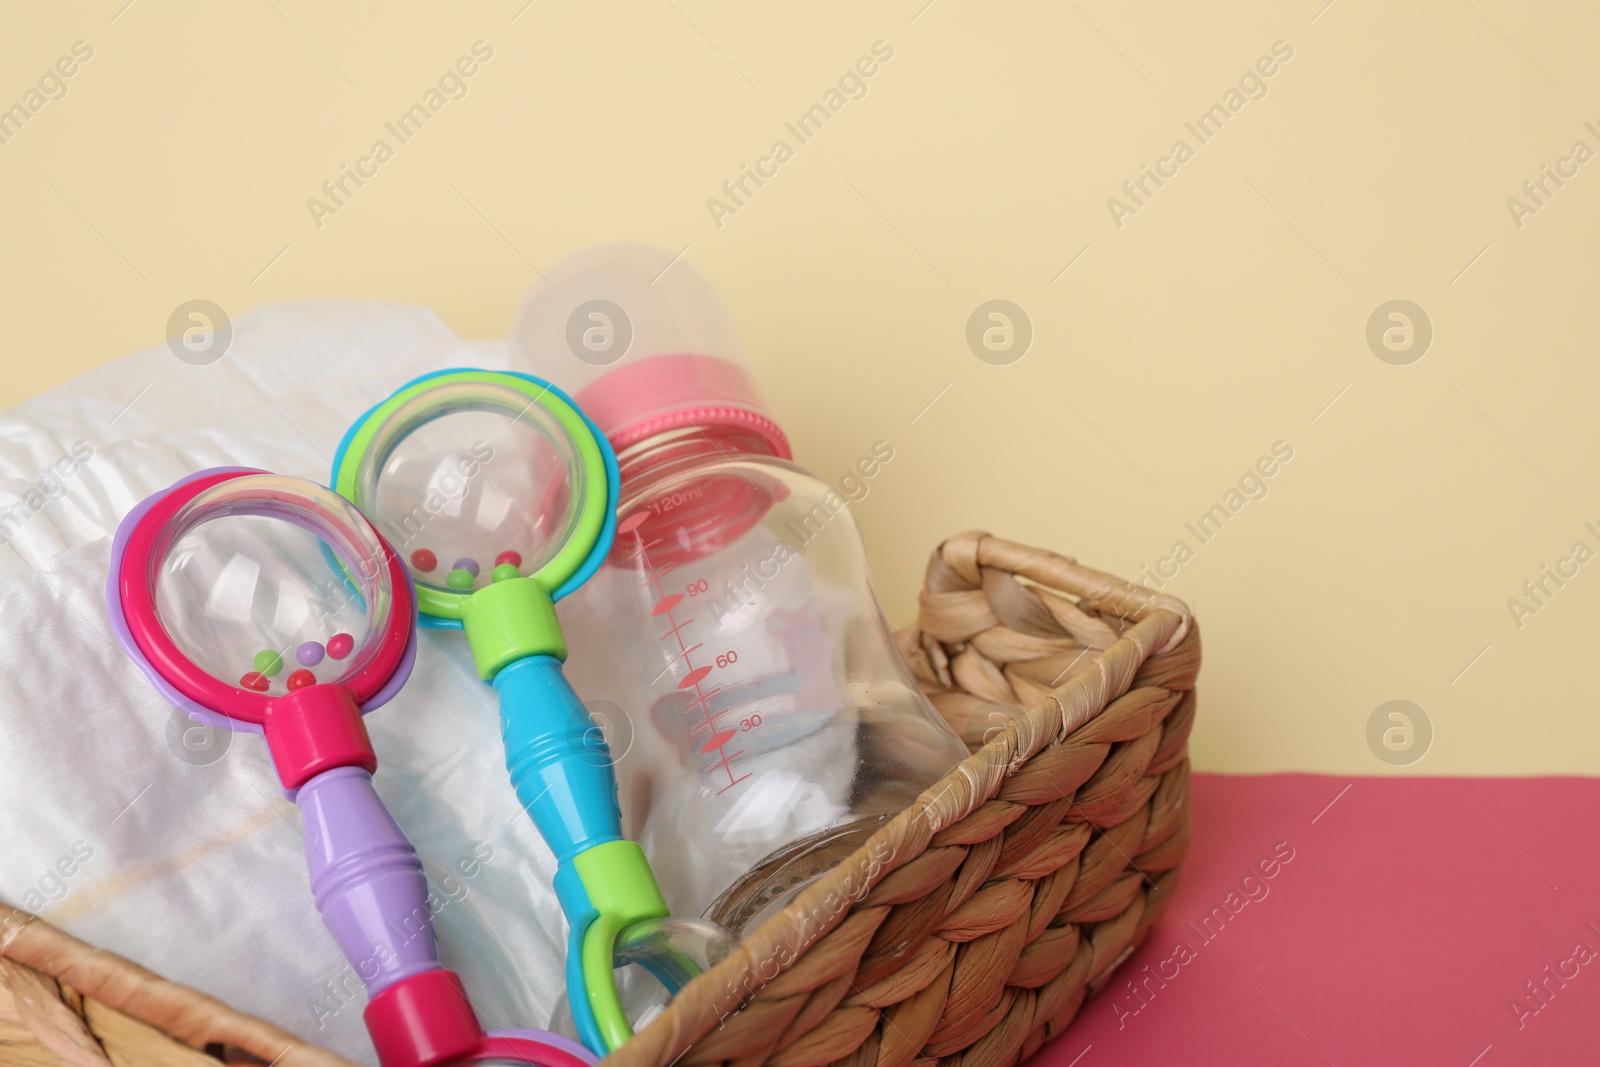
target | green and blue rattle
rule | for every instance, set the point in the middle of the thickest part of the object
(502, 475)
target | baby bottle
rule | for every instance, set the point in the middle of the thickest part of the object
(760, 715)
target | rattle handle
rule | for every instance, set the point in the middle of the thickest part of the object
(558, 759)
(367, 880)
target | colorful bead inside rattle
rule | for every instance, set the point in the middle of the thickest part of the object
(464, 573)
(308, 654)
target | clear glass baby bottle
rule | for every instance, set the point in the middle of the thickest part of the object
(762, 720)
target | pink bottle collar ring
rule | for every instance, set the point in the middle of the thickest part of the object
(639, 400)
(365, 875)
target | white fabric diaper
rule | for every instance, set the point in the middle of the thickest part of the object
(172, 845)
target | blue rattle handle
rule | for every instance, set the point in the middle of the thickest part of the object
(559, 762)
(561, 770)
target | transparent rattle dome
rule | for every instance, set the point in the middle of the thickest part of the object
(272, 583)
(473, 481)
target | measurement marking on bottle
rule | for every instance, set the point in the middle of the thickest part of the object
(699, 701)
(674, 629)
(657, 574)
(709, 724)
(681, 655)
(665, 604)
(726, 764)
(717, 740)
(694, 677)
(675, 500)
(652, 579)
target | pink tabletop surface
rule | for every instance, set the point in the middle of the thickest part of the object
(1409, 917)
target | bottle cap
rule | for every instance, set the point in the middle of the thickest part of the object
(643, 342)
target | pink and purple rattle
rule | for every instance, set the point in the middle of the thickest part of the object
(234, 574)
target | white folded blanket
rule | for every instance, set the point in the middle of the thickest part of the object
(173, 847)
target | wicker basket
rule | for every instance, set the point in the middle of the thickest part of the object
(968, 929)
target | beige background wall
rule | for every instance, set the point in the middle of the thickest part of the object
(1228, 313)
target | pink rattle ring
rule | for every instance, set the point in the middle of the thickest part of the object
(238, 573)
(370, 672)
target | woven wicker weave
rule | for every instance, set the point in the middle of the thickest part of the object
(967, 930)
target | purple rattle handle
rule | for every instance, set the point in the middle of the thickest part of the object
(367, 880)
